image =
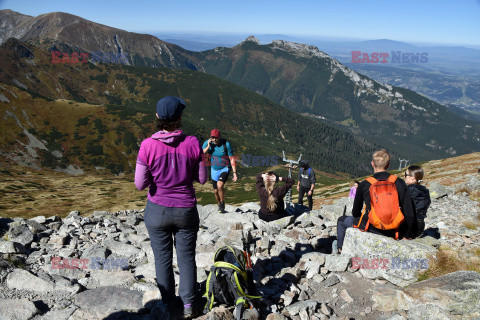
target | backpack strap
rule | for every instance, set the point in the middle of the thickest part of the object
(392, 178)
(372, 180)
(225, 150)
(224, 143)
(209, 292)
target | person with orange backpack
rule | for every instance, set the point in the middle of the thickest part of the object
(388, 206)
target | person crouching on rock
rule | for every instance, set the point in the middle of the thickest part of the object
(271, 197)
(420, 196)
(168, 162)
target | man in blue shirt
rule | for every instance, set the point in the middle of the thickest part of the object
(222, 162)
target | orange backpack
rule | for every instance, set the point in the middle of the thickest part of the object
(385, 212)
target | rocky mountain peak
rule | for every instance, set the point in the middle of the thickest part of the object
(299, 48)
(252, 39)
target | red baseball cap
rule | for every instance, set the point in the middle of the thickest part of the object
(215, 133)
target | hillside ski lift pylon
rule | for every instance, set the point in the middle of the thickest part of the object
(291, 164)
(401, 162)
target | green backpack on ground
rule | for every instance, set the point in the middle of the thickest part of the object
(229, 282)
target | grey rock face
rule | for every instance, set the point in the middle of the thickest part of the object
(23, 280)
(428, 312)
(21, 234)
(104, 301)
(121, 249)
(337, 263)
(456, 293)
(11, 247)
(95, 250)
(398, 261)
(17, 309)
(297, 307)
(63, 314)
(274, 227)
(437, 190)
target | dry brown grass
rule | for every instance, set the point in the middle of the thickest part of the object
(452, 171)
(447, 261)
(34, 194)
(475, 195)
(461, 190)
(476, 252)
(471, 225)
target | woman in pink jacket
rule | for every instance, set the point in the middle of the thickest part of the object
(168, 163)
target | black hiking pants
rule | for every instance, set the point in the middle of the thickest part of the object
(301, 192)
(164, 224)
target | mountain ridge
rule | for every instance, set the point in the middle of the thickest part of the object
(126, 94)
(306, 80)
(324, 87)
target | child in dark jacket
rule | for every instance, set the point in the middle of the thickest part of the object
(419, 194)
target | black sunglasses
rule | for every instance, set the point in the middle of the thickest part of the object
(408, 175)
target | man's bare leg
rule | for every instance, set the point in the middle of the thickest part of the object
(217, 197)
(221, 190)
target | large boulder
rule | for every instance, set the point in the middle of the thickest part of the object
(377, 256)
(20, 279)
(61, 314)
(274, 227)
(225, 221)
(437, 190)
(21, 234)
(17, 309)
(102, 302)
(11, 247)
(470, 186)
(119, 248)
(456, 294)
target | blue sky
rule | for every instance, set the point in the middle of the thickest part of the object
(429, 21)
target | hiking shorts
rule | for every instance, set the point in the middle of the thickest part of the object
(219, 175)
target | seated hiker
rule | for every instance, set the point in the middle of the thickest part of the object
(388, 206)
(420, 196)
(271, 197)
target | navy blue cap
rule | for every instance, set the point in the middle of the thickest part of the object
(170, 107)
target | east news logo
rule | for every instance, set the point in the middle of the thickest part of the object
(382, 57)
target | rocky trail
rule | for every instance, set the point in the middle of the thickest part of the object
(101, 266)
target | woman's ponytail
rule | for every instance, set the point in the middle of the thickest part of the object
(271, 203)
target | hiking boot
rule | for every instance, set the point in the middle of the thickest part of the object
(190, 311)
(221, 207)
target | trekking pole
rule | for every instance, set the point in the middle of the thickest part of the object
(246, 251)
(246, 241)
